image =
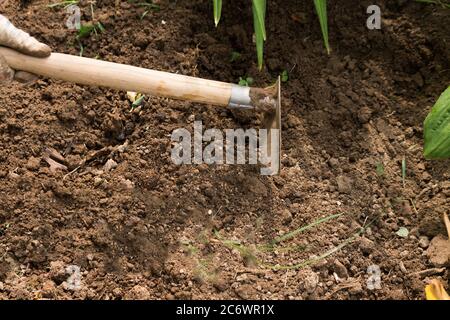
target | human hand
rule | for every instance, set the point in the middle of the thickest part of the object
(21, 41)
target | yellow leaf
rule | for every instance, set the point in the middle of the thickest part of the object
(435, 291)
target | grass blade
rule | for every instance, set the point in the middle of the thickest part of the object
(259, 17)
(319, 258)
(321, 8)
(292, 234)
(403, 171)
(64, 4)
(444, 4)
(217, 11)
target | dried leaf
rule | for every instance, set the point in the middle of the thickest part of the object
(54, 159)
(54, 154)
(54, 166)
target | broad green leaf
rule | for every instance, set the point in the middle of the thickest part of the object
(321, 8)
(437, 129)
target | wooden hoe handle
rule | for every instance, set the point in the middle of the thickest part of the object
(122, 77)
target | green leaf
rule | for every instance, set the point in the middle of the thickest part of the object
(437, 129)
(235, 56)
(100, 27)
(284, 76)
(259, 17)
(243, 82)
(217, 11)
(85, 30)
(321, 8)
(402, 232)
(260, 14)
(138, 102)
(380, 169)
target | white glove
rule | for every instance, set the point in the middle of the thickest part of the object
(21, 41)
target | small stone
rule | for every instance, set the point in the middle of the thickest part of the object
(424, 242)
(334, 163)
(220, 285)
(98, 181)
(367, 246)
(109, 165)
(340, 269)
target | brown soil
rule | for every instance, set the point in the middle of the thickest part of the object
(149, 229)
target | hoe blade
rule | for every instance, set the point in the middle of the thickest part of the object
(272, 122)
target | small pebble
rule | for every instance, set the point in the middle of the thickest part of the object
(424, 242)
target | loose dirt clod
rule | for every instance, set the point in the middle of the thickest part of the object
(439, 251)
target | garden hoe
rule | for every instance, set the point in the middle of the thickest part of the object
(128, 78)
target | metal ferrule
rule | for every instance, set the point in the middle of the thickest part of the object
(240, 97)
